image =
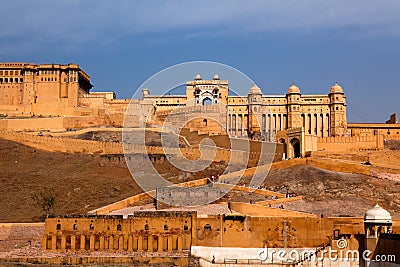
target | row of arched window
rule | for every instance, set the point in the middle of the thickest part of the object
(52, 79)
(119, 227)
(11, 80)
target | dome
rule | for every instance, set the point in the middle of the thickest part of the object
(293, 89)
(216, 77)
(198, 77)
(336, 88)
(377, 215)
(255, 90)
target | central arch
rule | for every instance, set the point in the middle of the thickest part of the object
(207, 101)
(296, 148)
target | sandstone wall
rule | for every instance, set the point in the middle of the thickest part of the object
(353, 143)
(50, 123)
(96, 147)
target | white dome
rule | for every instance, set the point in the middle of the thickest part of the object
(198, 77)
(293, 89)
(216, 77)
(336, 88)
(255, 90)
(377, 215)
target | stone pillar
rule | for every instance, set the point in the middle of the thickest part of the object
(101, 243)
(140, 243)
(83, 242)
(92, 242)
(229, 126)
(135, 243)
(130, 240)
(169, 248)
(314, 124)
(63, 242)
(160, 244)
(73, 242)
(121, 243)
(307, 123)
(152, 246)
(111, 242)
(180, 243)
(326, 125)
(54, 242)
(234, 124)
(44, 242)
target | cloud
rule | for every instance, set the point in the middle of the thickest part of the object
(75, 22)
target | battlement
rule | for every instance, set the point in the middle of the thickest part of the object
(350, 143)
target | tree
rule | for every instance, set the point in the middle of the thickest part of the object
(46, 200)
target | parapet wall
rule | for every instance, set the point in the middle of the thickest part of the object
(51, 123)
(62, 144)
(262, 211)
(351, 143)
(96, 147)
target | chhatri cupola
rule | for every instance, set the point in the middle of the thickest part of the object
(376, 221)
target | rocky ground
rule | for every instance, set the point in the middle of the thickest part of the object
(332, 193)
(80, 182)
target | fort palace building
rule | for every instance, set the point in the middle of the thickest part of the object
(30, 90)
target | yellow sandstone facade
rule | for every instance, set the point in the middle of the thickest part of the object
(260, 116)
(28, 90)
(303, 122)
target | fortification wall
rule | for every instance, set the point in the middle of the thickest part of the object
(51, 123)
(351, 143)
(259, 210)
(134, 200)
(63, 144)
(96, 147)
(232, 230)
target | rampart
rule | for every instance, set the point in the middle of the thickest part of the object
(96, 147)
(177, 196)
(175, 231)
(134, 200)
(53, 123)
(351, 143)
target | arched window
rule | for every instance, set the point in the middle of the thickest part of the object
(207, 227)
(185, 227)
(58, 226)
(207, 101)
(75, 227)
(146, 227)
(166, 227)
(119, 227)
(91, 227)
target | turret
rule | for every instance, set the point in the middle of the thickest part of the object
(145, 92)
(338, 122)
(293, 97)
(377, 221)
(254, 99)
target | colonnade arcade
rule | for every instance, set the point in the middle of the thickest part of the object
(316, 124)
(115, 242)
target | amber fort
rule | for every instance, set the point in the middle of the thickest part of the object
(215, 216)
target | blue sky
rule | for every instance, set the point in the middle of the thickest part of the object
(311, 42)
